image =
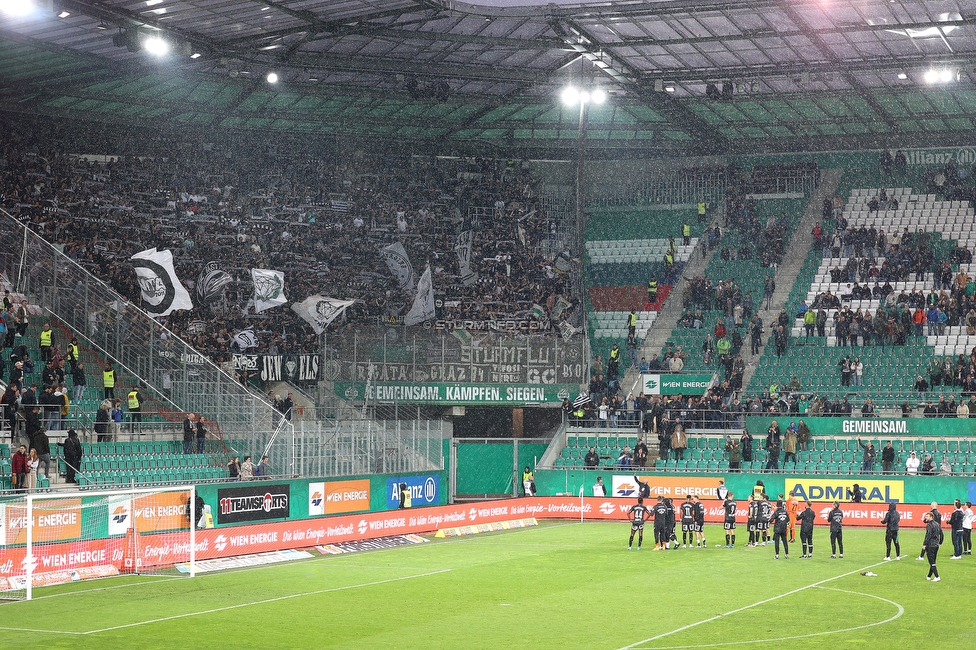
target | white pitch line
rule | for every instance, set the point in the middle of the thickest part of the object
(35, 631)
(742, 609)
(899, 614)
(260, 602)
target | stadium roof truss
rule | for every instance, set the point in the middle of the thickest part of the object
(803, 74)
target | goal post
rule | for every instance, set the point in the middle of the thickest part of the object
(60, 537)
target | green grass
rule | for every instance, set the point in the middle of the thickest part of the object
(561, 585)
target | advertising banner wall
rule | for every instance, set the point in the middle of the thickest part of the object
(676, 384)
(823, 488)
(258, 502)
(666, 486)
(424, 490)
(335, 497)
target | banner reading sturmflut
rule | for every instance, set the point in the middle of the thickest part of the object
(269, 289)
(318, 310)
(162, 291)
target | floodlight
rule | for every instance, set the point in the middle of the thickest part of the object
(64, 14)
(17, 7)
(598, 96)
(156, 46)
(570, 96)
(272, 77)
(945, 75)
(931, 76)
(902, 75)
(584, 96)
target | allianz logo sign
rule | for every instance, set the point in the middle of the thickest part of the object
(961, 156)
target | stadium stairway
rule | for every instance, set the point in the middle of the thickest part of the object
(890, 372)
(669, 313)
(786, 274)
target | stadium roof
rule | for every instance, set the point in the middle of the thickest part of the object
(803, 74)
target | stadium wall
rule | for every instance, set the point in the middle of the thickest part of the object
(488, 468)
(876, 488)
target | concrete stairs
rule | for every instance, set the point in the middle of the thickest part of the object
(667, 317)
(793, 259)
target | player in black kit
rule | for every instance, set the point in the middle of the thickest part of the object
(687, 522)
(671, 536)
(806, 517)
(890, 520)
(661, 535)
(765, 517)
(836, 519)
(753, 514)
(699, 522)
(638, 515)
(729, 505)
(781, 522)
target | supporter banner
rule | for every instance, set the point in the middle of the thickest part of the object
(882, 428)
(336, 497)
(395, 256)
(676, 384)
(162, 291)
(253, 503)
(318, 310)
(830, 489)
(54, 521)
(510, 325)
(455, 394)
(424, 490)
(423, 304)
(666, 486)
(462, 246)
(211, 282)
(293, 368)
(269, 289)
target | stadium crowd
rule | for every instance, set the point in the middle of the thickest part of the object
(320, 217)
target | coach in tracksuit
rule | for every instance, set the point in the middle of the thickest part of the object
(933, 539)
(955, 521)
(890, 520)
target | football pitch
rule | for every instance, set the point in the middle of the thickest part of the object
(559, 585)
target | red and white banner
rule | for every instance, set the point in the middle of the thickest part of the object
(170, 548)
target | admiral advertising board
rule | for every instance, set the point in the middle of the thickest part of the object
(253, 503)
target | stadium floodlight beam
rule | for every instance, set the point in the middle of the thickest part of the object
(571, 96)
(156, 46)
(17, 7)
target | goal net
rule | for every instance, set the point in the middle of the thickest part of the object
(55, 538)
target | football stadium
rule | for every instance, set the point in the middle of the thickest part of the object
(472, 324)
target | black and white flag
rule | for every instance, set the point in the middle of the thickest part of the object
(211, 281)
(423, 303)
(318, 310)
(269, 289)
(462, 246)
(246, 339)
(395, 256)
(162, 291)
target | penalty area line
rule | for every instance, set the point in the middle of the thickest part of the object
(756, 604)
(260, 602)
